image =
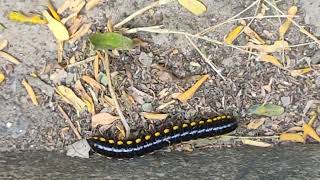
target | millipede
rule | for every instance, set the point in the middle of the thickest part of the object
(167, 136)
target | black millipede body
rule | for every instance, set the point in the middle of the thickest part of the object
(170, 135)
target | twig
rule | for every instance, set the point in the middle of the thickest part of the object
(248, 137)
(166, 31)
(212, 28)
(205, 58)
(114, 96)
(141, 11)
(89, 59)
(66, 117)
(233, 17)
(295, 23)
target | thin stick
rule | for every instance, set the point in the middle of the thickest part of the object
(114, 96)
(89, 59)
(248, 137)
(66, 117)
(233, 17)
(296, 24)
(212, 28)
(205, 58)
(141, 11)
(166, 31)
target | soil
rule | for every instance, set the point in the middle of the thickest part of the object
(24, 126)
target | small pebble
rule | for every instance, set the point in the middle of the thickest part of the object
(9, 124)
(285, 100)
(145, 59)
(147, 107)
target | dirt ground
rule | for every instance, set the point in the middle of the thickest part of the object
(24, 126)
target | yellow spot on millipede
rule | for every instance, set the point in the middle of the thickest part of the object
(111, 141)
(157, 134)
(193, 123)
(209, 121)
(120, 142)
(129, 142)
(95, 137)
(175, 127)
(147, 137)
(201, 122)
(219, 117)
(184, 125)
(229, 117)
(166, 131)
(102, 139)
(138, 140)
(223, 117)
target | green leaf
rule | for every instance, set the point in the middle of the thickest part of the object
(111, 40)
(266, 110)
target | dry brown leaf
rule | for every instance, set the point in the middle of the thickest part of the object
(20, 17)
(56, 27)
(309, 131)
(255, 38)
(103, 119)
(233, 34)
(3, 44)
(162, 106)
(2, 77)
(76, 24)
(294, 137)
(30, 92)
(255, 124)
(194, 6)
(299, 72)
(184, 97)
(9, 58)
(154, 116)
(256, 143)
(53, 11)
(91, 4)
(93, 83)
(96, 67)
(85, 96)
(71, 98)
(285, 26)
(81, 32)
(271, 59)
(60, 51)
(75, 6)
(122, 134)
(295, 129)
(278, 46)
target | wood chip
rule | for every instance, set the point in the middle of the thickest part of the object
(30, 92)
(154, 116)
(9, 58)
(3, 44)
(255, 124)
(91, 4)
(256, 143)
(103, 119)
(185, 96)
(294, 137)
